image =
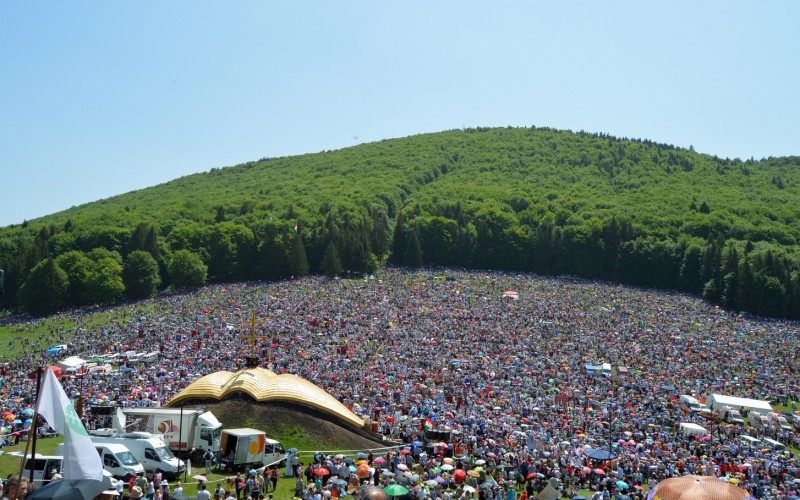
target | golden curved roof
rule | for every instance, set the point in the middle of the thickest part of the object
(265, 385)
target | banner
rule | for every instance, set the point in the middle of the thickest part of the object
(81, 460)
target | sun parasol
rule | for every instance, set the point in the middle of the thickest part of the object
(395, 490)
(696, 488)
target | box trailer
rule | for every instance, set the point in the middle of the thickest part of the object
(243, 448)
(188, 433)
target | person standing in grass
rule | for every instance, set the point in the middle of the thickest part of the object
(273, 477)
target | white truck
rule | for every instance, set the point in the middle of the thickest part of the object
(149, 450)
(245, 448)
(187, 433)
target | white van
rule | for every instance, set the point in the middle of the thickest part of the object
(772, 444)
(689, 401)
(149, 357)
(117, 460)
(42, 466)
(748, 441)
(148, 449)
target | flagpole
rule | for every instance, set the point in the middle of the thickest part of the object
(31, 434)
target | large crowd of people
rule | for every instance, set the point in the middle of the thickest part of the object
(497, 362)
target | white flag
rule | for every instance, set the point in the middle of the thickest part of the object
(81, 460)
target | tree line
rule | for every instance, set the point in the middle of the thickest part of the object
(529, 200)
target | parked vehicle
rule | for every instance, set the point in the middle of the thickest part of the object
(42, 466)
(760, 422)
(693, 404)
(772, 444)
(779, 421)
(149, 357)
(749, 441)
(731, 415)
(117, 460)
(188, 433)
(245, 448)
(793, 418)
(148, 449)
(274, 453)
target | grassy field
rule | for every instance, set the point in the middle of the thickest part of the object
(11, 338)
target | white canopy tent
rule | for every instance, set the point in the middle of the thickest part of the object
(717, 401)
(71, 362)
(690, 429)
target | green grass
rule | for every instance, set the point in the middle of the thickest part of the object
(10, 465)
(56, 330)
(45, 332)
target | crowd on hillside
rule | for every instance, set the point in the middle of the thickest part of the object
(497, 360)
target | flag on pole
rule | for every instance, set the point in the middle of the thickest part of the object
(295, 227)
(81, 460)
(429, 425)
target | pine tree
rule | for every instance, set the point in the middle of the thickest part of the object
(412, 256)
(331, 264)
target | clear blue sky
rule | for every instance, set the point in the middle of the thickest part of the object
(100, 98)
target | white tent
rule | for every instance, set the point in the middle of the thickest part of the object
(717, 401)
(690, 429)
(71, 362)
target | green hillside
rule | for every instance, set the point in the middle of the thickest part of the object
(540, 200)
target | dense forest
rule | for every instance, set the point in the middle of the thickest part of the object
(518, 199)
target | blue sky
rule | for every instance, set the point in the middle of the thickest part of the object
(102, 98)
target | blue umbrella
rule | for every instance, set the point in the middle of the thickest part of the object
(28, 421)
(28, 411)
(622, 485)
(17, 421)
(598, 454)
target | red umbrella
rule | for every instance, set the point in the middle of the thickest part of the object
(459, 475)
(600, 472)
(530, 476)
(322, 471)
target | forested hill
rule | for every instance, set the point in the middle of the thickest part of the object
(541, 200)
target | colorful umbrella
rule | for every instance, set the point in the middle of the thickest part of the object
(696, 488)
(395, 490)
